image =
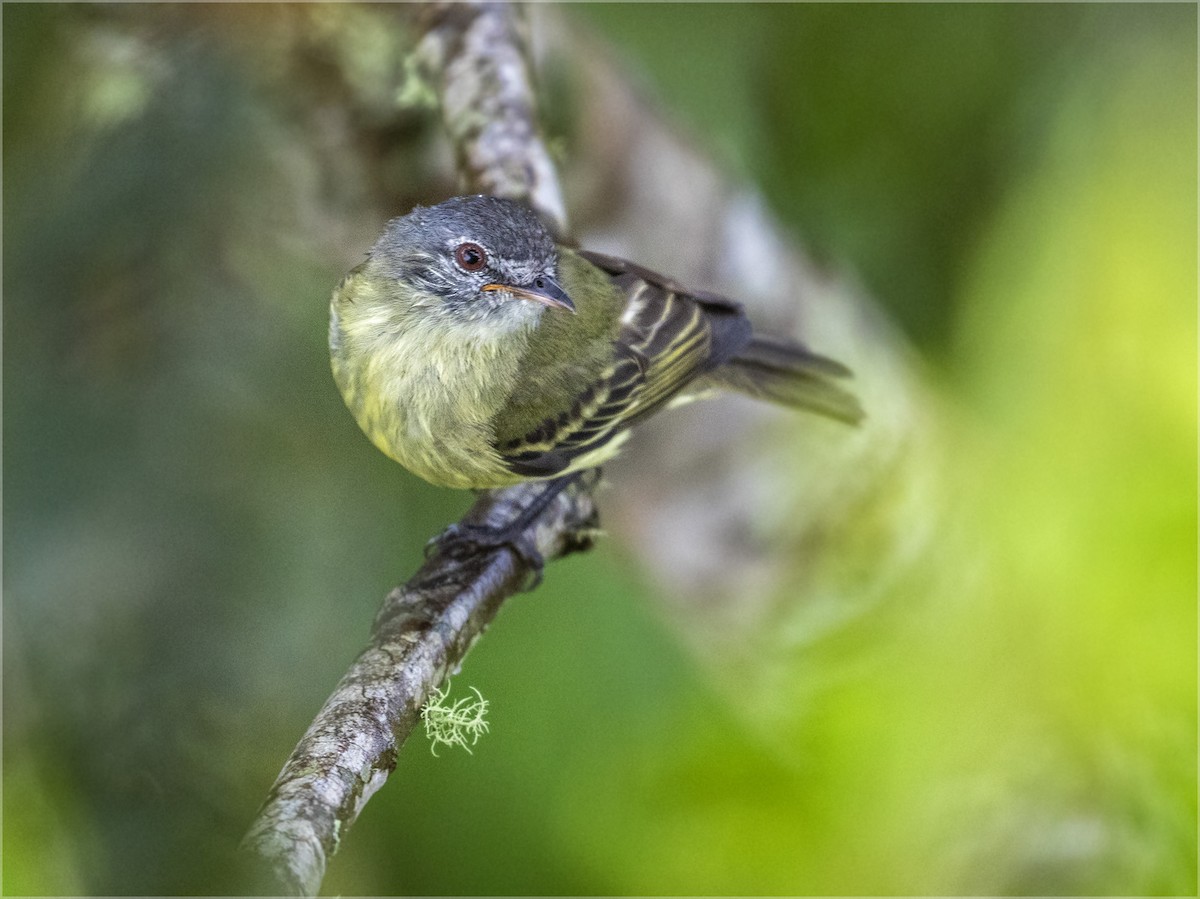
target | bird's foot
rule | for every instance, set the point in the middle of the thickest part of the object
(459, 540)
(462, 538)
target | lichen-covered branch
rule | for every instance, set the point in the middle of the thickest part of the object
(421, 634)
(475, 57)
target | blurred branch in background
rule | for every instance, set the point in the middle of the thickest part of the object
(959, 641)
(719, 502)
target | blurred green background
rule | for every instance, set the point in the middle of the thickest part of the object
(196, 537)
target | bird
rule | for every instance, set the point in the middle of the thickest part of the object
(478, 352)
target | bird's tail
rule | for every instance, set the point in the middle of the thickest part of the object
(784, 372)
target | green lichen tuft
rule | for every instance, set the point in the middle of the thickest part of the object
(454, 725)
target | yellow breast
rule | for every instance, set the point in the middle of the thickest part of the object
(424, 390)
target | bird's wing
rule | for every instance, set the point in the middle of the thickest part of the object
(668, 336)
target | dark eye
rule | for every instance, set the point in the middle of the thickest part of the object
(470, 256)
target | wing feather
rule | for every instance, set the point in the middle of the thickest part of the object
(668, 337)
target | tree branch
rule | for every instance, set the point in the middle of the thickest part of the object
(475, 56)
(421, 634)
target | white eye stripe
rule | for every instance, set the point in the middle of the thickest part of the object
(466, 238)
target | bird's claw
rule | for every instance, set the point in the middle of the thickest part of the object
(461, 539)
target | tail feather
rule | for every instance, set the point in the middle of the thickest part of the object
(790, 374)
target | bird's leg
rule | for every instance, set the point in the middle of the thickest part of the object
(464, 537)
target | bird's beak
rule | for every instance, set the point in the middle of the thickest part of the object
(542, 290)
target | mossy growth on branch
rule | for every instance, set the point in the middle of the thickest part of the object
(455, 724)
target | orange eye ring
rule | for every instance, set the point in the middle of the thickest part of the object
(471, 257)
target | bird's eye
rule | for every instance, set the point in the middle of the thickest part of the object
(471, 257)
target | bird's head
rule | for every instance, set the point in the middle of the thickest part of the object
(470, 260)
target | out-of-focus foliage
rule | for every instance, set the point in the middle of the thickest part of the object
(196, 537)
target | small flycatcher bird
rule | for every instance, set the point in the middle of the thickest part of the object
(477, 353)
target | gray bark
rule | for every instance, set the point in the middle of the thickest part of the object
(475, 57)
